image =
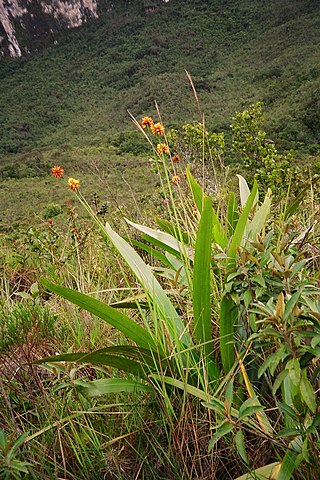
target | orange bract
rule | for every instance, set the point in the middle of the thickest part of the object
(157, 129)
(176, 158)
(57, 172)
(73, 183)
(147, 122)
(162, 148)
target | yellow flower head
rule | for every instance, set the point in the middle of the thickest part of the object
(162, 148)
(157, 129)
(147, 122)
(74, 184)
(176, 179)
(176, 158)
(57, 172)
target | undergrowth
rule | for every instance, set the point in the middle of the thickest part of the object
(184, 346)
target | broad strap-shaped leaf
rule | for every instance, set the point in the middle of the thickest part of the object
(152, 287)
(201, 280)
(166, 239)
(152, 252)
(106, 386)
(218, 233)
(197, 192)
(260, 217)
(241, 225)
(190, 389)
(172, 230)
(121, 322)
(228, 317)
(130, 359)
(288, 465)
(232, 214)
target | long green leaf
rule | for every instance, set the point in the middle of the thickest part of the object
(218, 233)
(228, 317)
(115, 318)
(152, 287)
(201, 280)
(167, 227)
(130, 359)
(152, 251)
(197, 192)
(260, 217)
(241, 225)
(288, 465)
(105, 386)
(164, 238)
(232, 214)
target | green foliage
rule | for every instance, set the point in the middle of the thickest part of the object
(52, 210)
(53, 98)
(194, 142)
(22, 321)
(259, 154)
(11, 466)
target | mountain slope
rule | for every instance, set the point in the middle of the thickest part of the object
(237, 52)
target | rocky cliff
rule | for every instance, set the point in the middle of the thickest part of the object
(27, 24)
(30, 25)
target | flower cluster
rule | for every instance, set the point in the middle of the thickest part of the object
(162, 148)
(74, 184)
(156, 128)
(147, 122)
(57, 171)
(176, 179)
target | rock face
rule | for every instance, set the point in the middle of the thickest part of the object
(27, 24)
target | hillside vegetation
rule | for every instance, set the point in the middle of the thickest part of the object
(79, 91)
(70, 102)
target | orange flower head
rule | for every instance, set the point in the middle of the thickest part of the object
(162, 148)
(74, 184)
(176, 179)
(176, 158)
(147, 122)
(157, 129)
(57, 172)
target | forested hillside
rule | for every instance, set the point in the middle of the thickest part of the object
(238, 52)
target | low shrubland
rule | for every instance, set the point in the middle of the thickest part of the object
(183, 346)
